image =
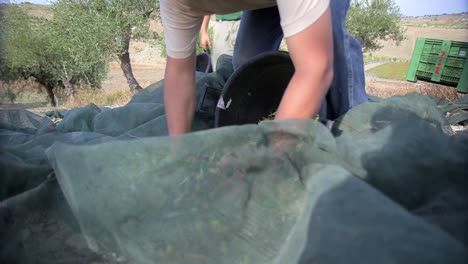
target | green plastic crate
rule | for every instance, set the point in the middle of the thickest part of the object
(441, 61)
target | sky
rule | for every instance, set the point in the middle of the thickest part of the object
(407, 7)
(431, 7)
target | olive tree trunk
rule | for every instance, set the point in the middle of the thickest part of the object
(51, 96)
(42, 78)
(69, 89)
(125, 64)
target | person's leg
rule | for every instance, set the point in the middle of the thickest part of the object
(225, 33)
(348, 86)
(259, 31)
(218, 31)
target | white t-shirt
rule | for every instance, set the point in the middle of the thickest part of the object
(182, 18)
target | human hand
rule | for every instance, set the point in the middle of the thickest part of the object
(205, 41)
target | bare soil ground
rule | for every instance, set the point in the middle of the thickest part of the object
(146, 74)
(387, 88)
(147, 64)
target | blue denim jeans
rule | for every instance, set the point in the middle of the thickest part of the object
(260, 31)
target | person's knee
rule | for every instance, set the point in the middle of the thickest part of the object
(238, 60)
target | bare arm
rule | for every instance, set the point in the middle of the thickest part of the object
(179, 94)
(205, 41)
(311, 51)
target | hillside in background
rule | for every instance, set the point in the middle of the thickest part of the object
(447, 26)
(452, 21)
(32, 9)
(449, 21)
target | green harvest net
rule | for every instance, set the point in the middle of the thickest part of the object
(388, 183)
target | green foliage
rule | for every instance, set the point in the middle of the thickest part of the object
(71, 47)
(21, 42)
(126, 18)
(82, 39)
(74, 45)
(373, 21)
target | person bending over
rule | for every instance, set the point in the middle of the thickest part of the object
(318, 44)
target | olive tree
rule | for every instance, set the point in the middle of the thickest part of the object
(21, 52)
(124, 16)
(373, 21)
(83, 42)
(56, 54)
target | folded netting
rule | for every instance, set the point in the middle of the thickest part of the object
(456, 112)
(274, 193)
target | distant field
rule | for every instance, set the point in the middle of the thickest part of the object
(405, 49)
(34, 10)
(454, 21)
(450, 27)
(391, 70)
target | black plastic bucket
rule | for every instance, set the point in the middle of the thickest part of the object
(254, 91)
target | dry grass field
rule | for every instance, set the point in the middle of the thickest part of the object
(405, 49)
(450, 27)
